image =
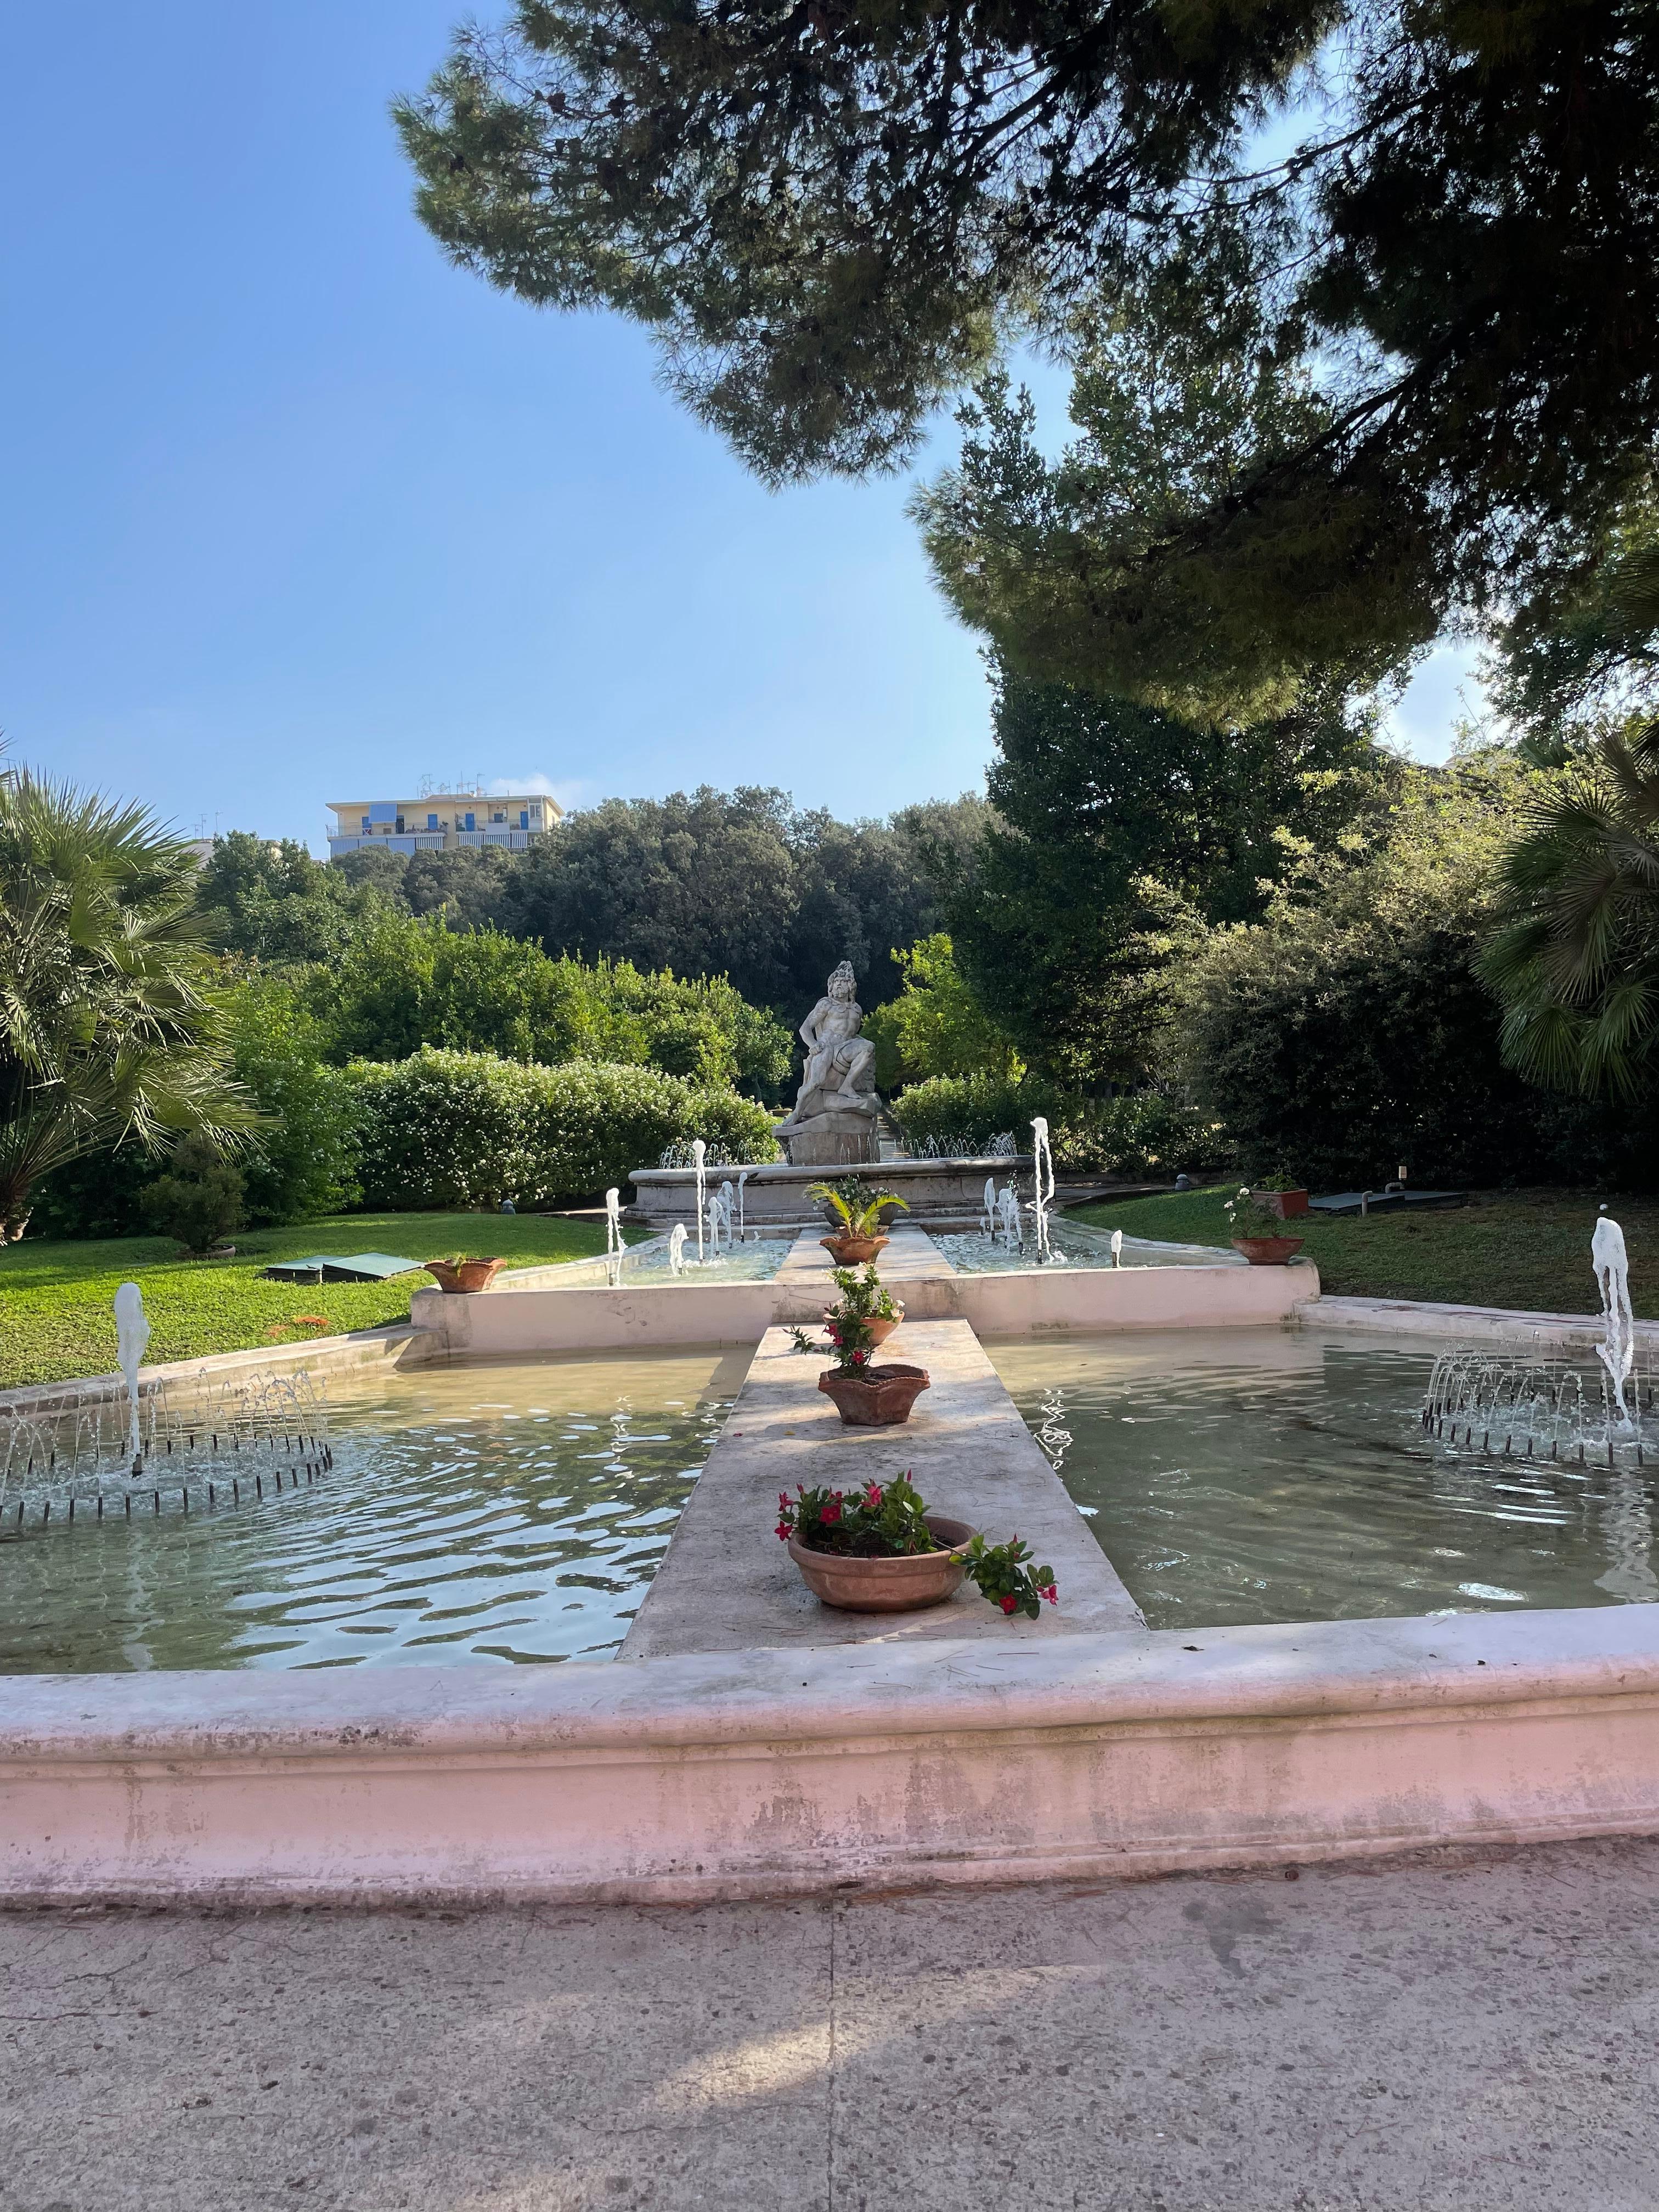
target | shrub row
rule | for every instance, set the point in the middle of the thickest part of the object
(1143, 1133)
(464, 1129)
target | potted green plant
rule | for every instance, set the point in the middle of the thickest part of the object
(1257, 1229)
(860, 1212)
(1283, 1194)
(880, 1550)
(866, 1305)
(864, 1395)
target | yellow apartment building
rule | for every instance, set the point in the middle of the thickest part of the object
(442, 821)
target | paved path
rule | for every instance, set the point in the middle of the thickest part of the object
(1454, 2035)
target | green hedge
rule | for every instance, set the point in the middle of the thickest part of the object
(1142, 1134)
(464, 1129)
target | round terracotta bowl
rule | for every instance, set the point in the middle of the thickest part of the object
(882, 1329)
(880, 1400)
(886, 1585)
(853, 1251)
(464, 1274)
(1269, 1251)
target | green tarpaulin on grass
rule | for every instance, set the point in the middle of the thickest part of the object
(357, 1267)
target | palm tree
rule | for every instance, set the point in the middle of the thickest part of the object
(110, 1025)
(1576, 958)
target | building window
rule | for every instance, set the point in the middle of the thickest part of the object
(366, 824)
(524, 817)
(431, 821)
(471, 821)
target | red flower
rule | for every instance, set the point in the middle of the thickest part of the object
(783, 1499)
(784, 1532)
(872, 1496)
(831, 1512)
(858, 1359)
(1051, 1591)
(1008, 1604)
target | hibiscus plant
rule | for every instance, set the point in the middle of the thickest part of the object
(889, 1521)
(863, 1298)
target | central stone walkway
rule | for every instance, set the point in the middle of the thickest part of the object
(727, 1584)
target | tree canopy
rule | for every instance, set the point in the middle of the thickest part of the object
(111, 1024)
(1444, 221)
(1118, 833)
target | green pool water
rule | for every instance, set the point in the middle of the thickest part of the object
(500, 1512)
(1244, 1475)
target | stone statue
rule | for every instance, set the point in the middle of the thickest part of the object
(834, 1121)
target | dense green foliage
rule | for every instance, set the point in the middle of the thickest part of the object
(301, 1160)
(1142, 1132)
(936, 1025)
(111, 1024)
(269, 900)
(1576, 958)
(1443, 263)
(466, 1129)
(704, 885)
(199, 1200)
(1119, 832)
(743, 885)
(1348, 1033)
(401, 983)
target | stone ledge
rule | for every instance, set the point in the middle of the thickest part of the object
(1450, 1324)
(759, 1772)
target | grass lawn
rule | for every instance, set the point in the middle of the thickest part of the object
(1515, 1248)
(57, 1318)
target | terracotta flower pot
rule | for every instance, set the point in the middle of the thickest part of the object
(464, 1275)
(879, 1399)
(859, 1585)
(853, 1251)
(1286, 1204)
(880, 1328)
(1267, 1251)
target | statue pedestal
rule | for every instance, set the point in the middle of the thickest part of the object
(842, 1138)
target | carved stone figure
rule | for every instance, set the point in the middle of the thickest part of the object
(834, 1121)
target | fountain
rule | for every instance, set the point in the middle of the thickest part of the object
(132, 1341)
(1543, 1406)
(231, 1443)
(743, 1177)
(1013, 1232)
(677, 1249)
(1617, 1353)
(1117, 1248)
(699, 1154)
(1043, 1160)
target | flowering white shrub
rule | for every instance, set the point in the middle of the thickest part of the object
(466, 1129)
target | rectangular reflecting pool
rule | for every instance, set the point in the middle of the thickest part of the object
(1250, 1476)
(505, 1512)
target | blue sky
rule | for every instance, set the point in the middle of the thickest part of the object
(295, 511)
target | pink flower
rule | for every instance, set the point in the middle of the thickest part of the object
(1008, 1604)
(784, 1532)
(783, 1500)
(872, 1498)
(1051, 1591)
(831, 1511)
(858, 1359)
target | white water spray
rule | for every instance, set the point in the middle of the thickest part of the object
(699, 1153)
(132, 1339)
(1618, 1353)
(1117, 1248)
(677, 1249)
(1043, 1165)
(1013, 1233)
(743, 1177)
(988, 1213)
